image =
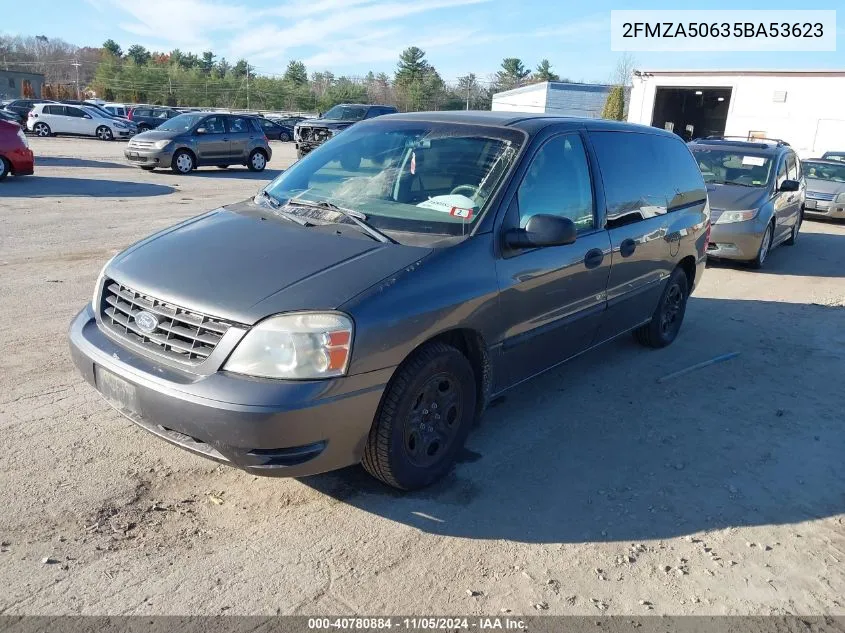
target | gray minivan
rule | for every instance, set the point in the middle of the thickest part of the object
(369, 313)
(197, 139)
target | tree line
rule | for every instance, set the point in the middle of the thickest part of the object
(177, 78)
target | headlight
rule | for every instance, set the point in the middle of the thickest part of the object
(839, 198)
(161, 144)
(297, 346)
(99, 283)
(737, 216)
(22, 137)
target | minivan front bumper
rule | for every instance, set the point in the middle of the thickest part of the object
(279, 428)
(736, 240)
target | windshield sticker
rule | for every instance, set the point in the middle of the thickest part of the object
(757, 161)
(457, 212)
(448, 203)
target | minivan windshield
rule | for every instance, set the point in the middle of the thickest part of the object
(346, 113)
(419, 177)
(732, 167)
(824, 171)
(181, 122)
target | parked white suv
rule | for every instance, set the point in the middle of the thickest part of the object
(49, 119)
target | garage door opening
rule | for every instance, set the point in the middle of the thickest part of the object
(692, 112)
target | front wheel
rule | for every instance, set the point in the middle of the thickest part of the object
(257, 160)
(763, 251)
(143, 128)
(183, 162)
(667, 318)
(104, 133)
(424, 418)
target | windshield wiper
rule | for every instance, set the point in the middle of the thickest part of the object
(275, 205)
(356, 217)
(730, 182)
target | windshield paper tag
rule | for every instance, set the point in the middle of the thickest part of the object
(757, 161)
(457, 212)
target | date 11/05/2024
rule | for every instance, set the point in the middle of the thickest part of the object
(416, 623)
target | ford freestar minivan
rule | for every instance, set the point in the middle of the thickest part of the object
(369, 302)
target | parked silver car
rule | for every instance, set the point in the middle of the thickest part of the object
(825, 188)
(756, 194)
(196, 139)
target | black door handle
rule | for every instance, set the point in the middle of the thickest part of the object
(593, 258)
(627, 247)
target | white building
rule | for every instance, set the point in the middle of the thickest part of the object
(554, 97)
(805, 108)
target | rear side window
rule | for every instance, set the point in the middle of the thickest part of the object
(239, 125)
(645, 175)
(54, 109)
(141, 112)
(74, 112)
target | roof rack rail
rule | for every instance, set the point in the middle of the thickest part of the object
(747, 139)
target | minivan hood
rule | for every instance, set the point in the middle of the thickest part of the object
(235, 263)
(736, 197)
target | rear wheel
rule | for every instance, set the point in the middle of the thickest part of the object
(41, 129)
(284, 137)
(257, 160)
(143, 128)
(182, 162)
(669, 315)
(763, 251)
(5, 168)
(424, 418)
(104, 133)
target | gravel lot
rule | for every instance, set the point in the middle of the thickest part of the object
(593, 489)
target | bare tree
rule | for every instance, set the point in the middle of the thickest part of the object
(625, 66)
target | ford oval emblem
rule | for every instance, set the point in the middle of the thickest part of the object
(146, 321)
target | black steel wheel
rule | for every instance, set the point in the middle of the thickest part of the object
(668, 315)
(424, 418)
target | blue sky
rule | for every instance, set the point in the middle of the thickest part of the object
(353, 36)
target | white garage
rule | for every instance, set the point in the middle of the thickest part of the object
(805, 108)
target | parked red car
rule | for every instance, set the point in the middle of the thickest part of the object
(15, 156)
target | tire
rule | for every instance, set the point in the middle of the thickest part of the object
(796, 229)
(222, 167)
(763, 251)
(143, 128)
(284, 137)
(410, 446)
(257, 160)
(350, 162)
(5, 168)
(42, 130)
(104, 133)
(668, 315)
(183, 162)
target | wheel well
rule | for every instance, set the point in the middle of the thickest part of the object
(471, 344)
(259, 149)
(687, 264)
(187, 150)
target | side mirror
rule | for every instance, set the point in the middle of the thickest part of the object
(86, 116)
(201, 130)
(790, 185)
(543, 230)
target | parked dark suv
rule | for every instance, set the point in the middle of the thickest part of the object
(369, 315)
(21, 107)
(197, 139)
(756, 190)
(311, 133)
(150, 117)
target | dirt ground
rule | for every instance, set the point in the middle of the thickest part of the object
(593, 489)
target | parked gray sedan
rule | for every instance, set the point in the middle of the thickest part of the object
(825, 188)
(367, 310)
(196, 139)
(756, 193)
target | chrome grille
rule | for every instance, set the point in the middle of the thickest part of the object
(818, 195)
(140, 144)
(180, 334)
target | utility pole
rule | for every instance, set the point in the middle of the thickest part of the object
(247, 85)
(77, 64)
